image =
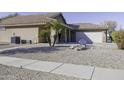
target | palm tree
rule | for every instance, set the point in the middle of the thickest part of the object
(53, 28)
(47, 33)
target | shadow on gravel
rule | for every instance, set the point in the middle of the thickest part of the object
(31, 50)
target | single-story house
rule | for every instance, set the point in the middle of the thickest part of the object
(28, 27)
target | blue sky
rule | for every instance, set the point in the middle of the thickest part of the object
(84, 17)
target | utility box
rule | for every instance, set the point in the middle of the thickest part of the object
(23, 41)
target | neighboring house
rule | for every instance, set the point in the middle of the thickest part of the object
(28, 28)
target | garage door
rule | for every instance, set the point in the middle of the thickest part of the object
(95, 37)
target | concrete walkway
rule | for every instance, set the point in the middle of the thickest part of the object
(78, 71)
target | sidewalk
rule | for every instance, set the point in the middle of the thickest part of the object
(78, 71)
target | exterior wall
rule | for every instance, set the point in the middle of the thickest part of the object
(73, 36)
(95, 37)
(24, 33)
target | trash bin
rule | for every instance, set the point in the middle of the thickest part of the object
(15, 40)
(30, 42)
(23, 41)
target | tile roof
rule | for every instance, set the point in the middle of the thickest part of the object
(29, 19)
(40, 19)
(87, 26)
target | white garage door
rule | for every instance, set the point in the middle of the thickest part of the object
(95, 37)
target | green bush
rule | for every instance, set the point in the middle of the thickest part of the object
(118, 37)
(43, 36)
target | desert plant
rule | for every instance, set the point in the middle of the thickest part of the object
(57, 28)
(53, 28)
(43, 36)
(118, 37)
(111, 25)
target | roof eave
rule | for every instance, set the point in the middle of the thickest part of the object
(66, 26)
(8, 25)
(91, 29)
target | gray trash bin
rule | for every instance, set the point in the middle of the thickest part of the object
(15, 40)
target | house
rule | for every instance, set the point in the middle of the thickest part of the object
(28, 28)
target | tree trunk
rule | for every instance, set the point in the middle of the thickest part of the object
(55, 38)
(49, 40)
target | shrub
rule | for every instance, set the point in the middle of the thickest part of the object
(43, 36)
(118, 37)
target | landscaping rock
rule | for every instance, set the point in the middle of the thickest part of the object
(73, 46)
(101, 55)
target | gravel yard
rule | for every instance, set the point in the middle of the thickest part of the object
(13, 73)
(5, 46)
(101, 55)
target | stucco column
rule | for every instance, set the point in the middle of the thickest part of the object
(69, 35)
(65, 36)
(106, 36)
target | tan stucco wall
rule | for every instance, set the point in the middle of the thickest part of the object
(24, 33)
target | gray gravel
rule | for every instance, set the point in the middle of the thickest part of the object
(101, 55)
(13, 73)
(5, 46)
